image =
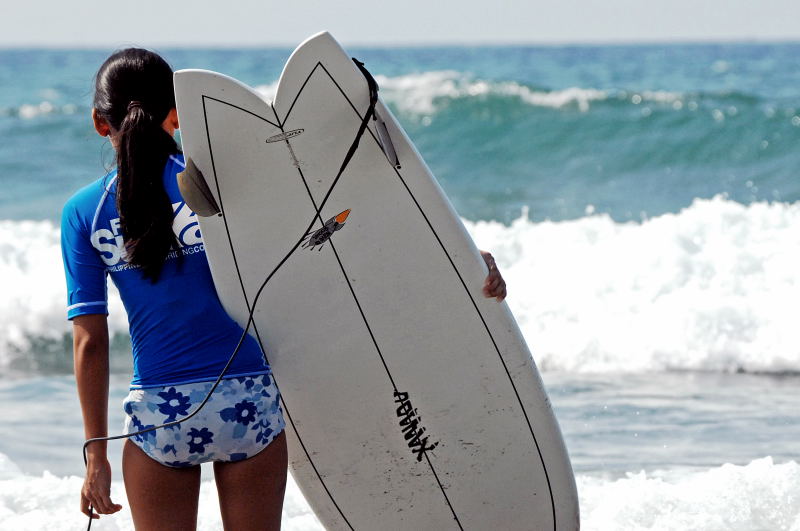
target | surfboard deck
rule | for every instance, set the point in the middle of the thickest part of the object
(411, 401)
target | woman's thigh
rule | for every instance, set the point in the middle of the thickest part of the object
(251, 491)
(160, 497)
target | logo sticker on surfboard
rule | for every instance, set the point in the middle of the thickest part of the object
(411, 427)
(286, 135)
(320, 236)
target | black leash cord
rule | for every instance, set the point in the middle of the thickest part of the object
(373, 99)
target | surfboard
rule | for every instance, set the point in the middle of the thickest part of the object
(411, 401)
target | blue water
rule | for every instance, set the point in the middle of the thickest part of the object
(642, 202)
(672, 123)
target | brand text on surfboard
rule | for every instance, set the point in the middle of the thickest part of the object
(410, 426)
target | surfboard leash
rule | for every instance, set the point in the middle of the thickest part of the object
(370, 114)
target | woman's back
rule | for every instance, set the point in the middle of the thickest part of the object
(180, 333)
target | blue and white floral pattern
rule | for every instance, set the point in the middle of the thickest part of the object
(175, 403)
(242, 417)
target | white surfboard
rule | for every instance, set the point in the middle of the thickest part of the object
(412, 402)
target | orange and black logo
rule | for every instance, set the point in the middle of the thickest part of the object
(320, 236)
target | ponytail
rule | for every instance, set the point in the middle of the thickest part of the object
(134, 93)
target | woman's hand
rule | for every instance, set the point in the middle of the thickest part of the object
(96, 489)
(90, 345)
(494, 285)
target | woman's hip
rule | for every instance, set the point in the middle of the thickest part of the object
(240, 419)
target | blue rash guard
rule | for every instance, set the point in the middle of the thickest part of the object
(179, 331)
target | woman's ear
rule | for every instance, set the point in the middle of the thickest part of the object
(100, 124)
(171, 123)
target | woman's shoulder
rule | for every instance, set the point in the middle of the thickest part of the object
(88, 200)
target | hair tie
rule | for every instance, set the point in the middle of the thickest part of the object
(133, 104)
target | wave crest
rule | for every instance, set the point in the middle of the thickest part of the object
(425, 92)
(711, 288)
(34, 331)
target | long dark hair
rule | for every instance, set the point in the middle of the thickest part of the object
(134, 94)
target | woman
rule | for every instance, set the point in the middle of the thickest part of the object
(126, 225)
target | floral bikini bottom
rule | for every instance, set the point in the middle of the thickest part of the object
(240, 419)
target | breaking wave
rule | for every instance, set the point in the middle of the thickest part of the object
(710, 288)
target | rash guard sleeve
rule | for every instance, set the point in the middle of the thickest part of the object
(84, 269)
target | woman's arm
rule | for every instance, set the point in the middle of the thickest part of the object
(90, 347)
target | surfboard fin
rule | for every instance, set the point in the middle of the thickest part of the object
(195, 191)
(386, 141)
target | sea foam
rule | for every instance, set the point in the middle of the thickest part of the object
(711, 288)
(50, 502)
(758, 496)
(422, 93)
(33, 308)
(29, 111)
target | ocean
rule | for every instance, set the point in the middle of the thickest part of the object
(643, 204)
